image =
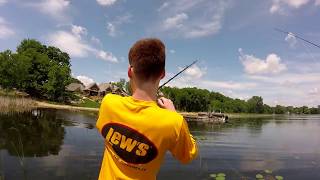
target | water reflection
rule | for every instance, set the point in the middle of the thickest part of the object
(32, 134)
(58, 144)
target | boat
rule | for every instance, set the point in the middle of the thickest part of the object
(206, 117)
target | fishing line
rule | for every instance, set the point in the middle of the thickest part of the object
(178, 74)
(308, 51)
(301, 38)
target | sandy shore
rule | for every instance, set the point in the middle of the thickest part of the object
(41, 104)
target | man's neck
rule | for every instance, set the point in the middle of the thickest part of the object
(147, 92)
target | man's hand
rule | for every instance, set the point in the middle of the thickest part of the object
(166, 104)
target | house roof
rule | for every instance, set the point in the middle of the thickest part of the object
(75, 87)
(90, 86)
(105, 86)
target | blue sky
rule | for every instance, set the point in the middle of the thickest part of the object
(240, 54)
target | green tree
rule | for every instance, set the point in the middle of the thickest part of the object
(57, 81)
(56, 55)
(121, 84)
(39, 70)
(305, 110)
(255, 104)
(279, 109)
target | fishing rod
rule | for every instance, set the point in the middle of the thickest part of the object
(178, 74)
(290, 33)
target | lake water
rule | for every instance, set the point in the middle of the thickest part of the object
(58, 144)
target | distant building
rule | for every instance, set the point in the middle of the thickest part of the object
(92, 90)
(105, 88)
(75, 87)
(119, 91)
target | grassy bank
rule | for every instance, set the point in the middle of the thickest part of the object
(247, 115)
(13, 101)
(88, 103)
(16, 104)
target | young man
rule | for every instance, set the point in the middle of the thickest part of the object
(139, 129)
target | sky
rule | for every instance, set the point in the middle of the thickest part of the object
(240, 54)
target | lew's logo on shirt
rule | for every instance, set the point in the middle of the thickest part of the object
(129, 144)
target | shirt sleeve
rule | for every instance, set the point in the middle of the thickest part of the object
(185, 149)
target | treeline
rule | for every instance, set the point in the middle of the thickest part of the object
(195, 100)
(39, 70)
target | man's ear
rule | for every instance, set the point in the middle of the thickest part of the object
(130, 72)
(163, 74)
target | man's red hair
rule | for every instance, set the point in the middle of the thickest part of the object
(147, 57)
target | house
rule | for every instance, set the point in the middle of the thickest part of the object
(119, 91)
(92, 90)
(75, 87)
(105, 88)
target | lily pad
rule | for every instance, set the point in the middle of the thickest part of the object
(259, 176)
(268, 171)
(279, 177)
(221, 175)
(213, 175)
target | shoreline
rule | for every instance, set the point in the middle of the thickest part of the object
(41, 104)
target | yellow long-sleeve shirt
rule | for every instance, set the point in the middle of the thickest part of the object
(137, 135)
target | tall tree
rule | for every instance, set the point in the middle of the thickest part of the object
(255, 104)
(39, 70)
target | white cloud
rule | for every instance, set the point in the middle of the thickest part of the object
(70, 43)
(220, 86)
(85, 80)
(172, 51)
(253, 65)
(126, 18)
(295, 3)
(111, 30)
(275, 8)
(314, 91)
(78, 30)
(113, 26)
(106, 2)
(278, 6)
(289, 78)
(192, 19)
(291, 39)
(96, 41)
(194, 72)
(228, 85)
(175, 21)
(163, 6)
(205, 29)
(289, 88)
(108, 56)
(73, 43)
(2, 2)
(5, 30)
(54, 8)
(194, 77)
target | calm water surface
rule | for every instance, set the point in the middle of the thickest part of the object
(57, 144)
